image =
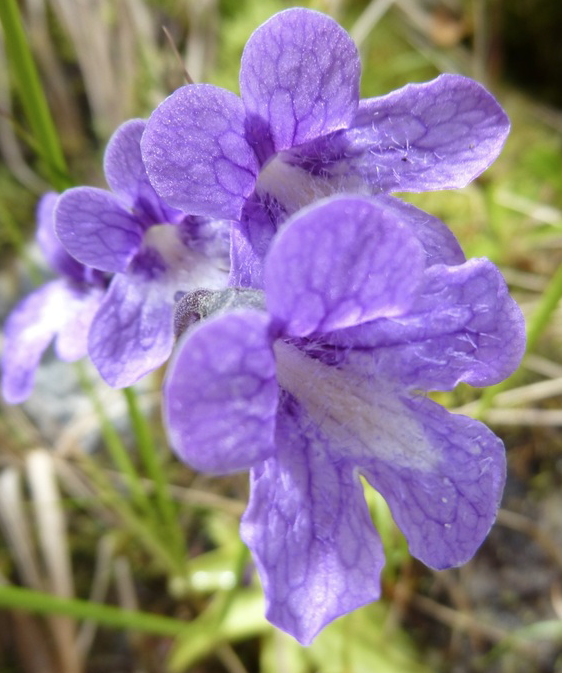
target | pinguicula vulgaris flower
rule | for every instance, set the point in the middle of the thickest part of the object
(299, 132)
(154, 251)
(367, 304)
(62, 309)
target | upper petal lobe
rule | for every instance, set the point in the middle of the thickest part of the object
(436, 135)
(96, 229)
(196, 154)
(341, 262)
(51, 247)
(299, 77)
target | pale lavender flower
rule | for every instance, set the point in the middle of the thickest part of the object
(62, 309)
(367, 303)
(154, 251)
(299, 132)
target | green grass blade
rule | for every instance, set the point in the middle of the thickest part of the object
(39, 602)
(132, 521)
(31, 95)
(245, 619)
(116, 449)
(151, 460)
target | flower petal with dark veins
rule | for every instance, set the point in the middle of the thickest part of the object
(309, 530)
(455, 333)
(342, 262)
(436, 135)
(299, 77)
(95, 228)
(220, 394)
(446, 510)
(132, 331)
(196, 154)
(251, 238)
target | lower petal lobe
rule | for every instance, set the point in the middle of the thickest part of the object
(251, 239)
(28, 331)
(132, 331)
(220, 394)
(309, 530)
(72, 340)
(446, 509)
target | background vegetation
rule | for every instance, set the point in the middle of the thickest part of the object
(113, 556)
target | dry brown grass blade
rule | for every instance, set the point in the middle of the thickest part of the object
(368, 19)
(202, 39)
(527, 526)
(16, 528)
(98, 591)
(51, 527)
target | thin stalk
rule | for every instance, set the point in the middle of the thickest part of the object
(117, 450)
(133, 523)
(153, 465)
(31, 94)
(535, 327)
(39, 602)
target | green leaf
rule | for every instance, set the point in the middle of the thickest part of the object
(244, 619)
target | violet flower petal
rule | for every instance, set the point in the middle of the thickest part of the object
(446, 507)
(95, 228)
(438, 241)
(220, 394)
(126, 175)
(457, 332)
(58, 258)
(341, 262)
(207, 236)
(72, 339)
(251, 238)
(132, 331)
(309, 531)
(196, 154)
(28, 331)
(299, 78)
(436, 135)
(122, 162)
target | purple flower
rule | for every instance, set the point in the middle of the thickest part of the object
(62, 309)
(366, 303)
(154, 251)
(299, 132)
